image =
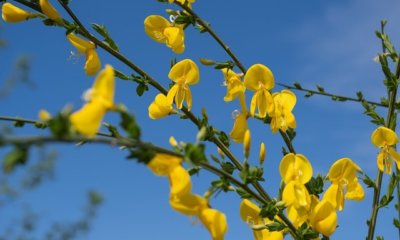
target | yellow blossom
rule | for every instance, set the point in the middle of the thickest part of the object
(296, 194)
(234, 86)
(11, 13)
(343, 175)
(385, 138)
(324, 218)
(260, 80)
(188, 204)
(93, 63)
(162, 31)
(300, 215)
(160, 107)
(99, 99)
(49, 10)
(295, 167)
(250, 213)
(239, 128)
(215, 222)
(283, 117)
(183, 73)
(162, 164)
(179, 180)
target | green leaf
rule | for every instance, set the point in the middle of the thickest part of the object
(141, 155)
(320, 89)
(275, 226)
(122, 76)
(368, 181)
(59, 125)
(19, 123)
(102, 30)
(141, 88)
(297, 85)
(316, 185)
(195, 153)
(228, 167)
(18, 156)
(128, 123)
(243, 193)
(396, 223)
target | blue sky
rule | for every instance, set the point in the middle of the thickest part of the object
(331, 43)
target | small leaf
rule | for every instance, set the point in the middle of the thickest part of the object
(18, 156)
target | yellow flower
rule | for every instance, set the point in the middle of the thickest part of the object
(324, 218)
(93, 63)
(283, 116)
(188, 204)
(162, 164)
(179, 180)
(239, 128)
(160, 107)
(261, 155)
(183, 73)
(250, 213)
(300, 215)
(295, 167)
(234, 86)
(343, 175)
(49, 10)
(385, 138)
(99, 99)
(215, 222)
(260, 80)
(162, 31)
(11, 13)
(296, 170)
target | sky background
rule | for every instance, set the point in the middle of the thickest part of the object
(331, 43)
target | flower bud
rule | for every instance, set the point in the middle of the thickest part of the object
(261, 157)
(247, 143)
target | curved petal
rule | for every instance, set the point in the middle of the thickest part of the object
(49, 10)
(295, 194)
(355, 191)
(179, 180)
(188, 98)
(175, 37)
(396, 156)
(250, 212)
(288, 99)
(253, 104)
(180, 96)
(93, 63)
(188, 204)
(334, 194)
(160, 107)
(259, 75)
(384, 136)
(87, 120)
(295, 167)
(171, 94)
(185, 72)
(104, 86)
(80, 44)
(239, 128)
(324, 218)
(215, 222)
(11, 13)
(154, 26)
(162, 164)
(343, 168)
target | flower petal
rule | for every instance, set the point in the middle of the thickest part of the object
(295, 167)
(179, 180)
(49, 10)
(259, 75)
(384, 136)
(188, 204)
(93, 63)
(215, 222)
(162, 164)
(324, 218)
(185, 72)
(80, 44)
(104, 86)
(154, 26)
(88, 119)
(239, 128)
(250, 212)
(11, 13)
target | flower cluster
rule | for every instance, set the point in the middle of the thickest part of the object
(182, 200)
(11, 13)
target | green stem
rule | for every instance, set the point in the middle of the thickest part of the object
(331, 95)
(389, 123)
(207, 27)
